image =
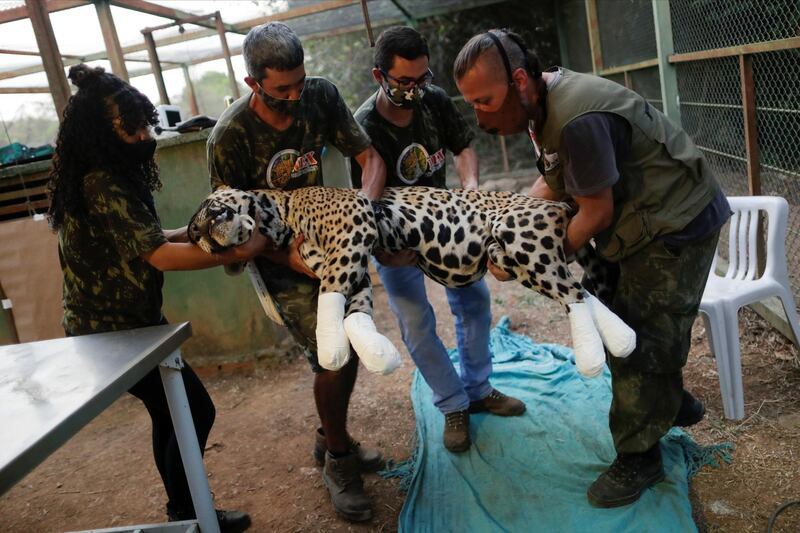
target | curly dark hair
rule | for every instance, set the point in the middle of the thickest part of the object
(87, 141)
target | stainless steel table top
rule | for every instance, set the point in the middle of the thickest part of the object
(50, 389)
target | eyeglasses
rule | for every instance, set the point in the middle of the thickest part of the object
(422, 81)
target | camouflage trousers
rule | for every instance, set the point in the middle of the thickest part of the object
(295, 295)
(657, 292)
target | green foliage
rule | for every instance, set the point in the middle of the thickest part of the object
(35, 129)
(210, 89)
(347, 60)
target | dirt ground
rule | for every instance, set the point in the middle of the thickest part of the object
(259, 459)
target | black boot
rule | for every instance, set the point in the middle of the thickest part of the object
(691, 411)
(369, 459)
(342, 476)
(628, 476)
(229, 521)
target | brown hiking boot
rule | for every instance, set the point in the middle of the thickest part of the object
(343, 478)
(370, 460)
(498, 404)
(456, 431)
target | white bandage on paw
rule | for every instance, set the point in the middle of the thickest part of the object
(589, 354)
(376, 351)
(618, 337)
(333, 349)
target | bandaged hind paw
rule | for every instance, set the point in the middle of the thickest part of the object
(376, 352)
(333, 347)
(617, 336)
(590, 357)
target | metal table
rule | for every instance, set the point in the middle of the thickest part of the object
(50, 389)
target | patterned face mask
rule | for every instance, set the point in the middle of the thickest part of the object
(284, 106)
(408, 94)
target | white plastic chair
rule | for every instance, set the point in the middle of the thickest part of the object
(741, 285)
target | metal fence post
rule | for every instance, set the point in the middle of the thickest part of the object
(666, 71)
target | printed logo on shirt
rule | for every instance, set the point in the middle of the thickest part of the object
(551, 161)
(289, 164)
(415, 163)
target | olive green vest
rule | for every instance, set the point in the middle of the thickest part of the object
(664, 182)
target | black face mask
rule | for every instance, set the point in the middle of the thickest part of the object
(139, 152)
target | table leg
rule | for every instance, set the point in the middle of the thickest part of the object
(182, 421)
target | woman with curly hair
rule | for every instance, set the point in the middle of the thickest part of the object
(113, 250)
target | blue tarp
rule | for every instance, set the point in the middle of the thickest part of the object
(531, 473)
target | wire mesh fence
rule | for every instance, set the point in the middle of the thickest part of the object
(710, 89)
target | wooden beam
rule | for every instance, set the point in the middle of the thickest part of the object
(593, 27)
(667, 72)
(193, 108)
(24, 90)
(365, 12)
(227, 54)
(286, 15)
(156, 67)
(750, 125)
(315, 7)
(648, 63)
(29, 53)
(21, 12)
(170, 13)
(110, 38)
(753, 48)
(51, 60)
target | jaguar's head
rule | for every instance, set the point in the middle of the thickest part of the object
(226, 218)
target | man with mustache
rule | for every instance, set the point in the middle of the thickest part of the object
(647, 197)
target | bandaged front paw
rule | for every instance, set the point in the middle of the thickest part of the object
(376, 351)
(333, 348)
(589, 354)
(618, 337)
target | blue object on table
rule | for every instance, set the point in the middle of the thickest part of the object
(19, 153)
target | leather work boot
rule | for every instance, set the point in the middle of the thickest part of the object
(691, 411)
(343, 478)
(456, 431)
(628, 476)
(499, 404)
(369, 459)
(229, 521)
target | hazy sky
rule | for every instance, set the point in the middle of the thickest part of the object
(78, 32)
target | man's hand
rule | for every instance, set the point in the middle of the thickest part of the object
(398, 259)
(498, 273)
(255, 245)
(295, 260)
(540, 189)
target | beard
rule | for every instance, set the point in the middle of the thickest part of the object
(515, 112)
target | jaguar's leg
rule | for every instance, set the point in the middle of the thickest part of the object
(377, 352)
(539, 264)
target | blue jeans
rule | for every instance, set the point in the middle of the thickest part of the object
(472, 309)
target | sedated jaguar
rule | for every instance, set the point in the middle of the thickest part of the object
(454, 232)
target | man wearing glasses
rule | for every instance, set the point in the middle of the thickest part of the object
(411, 123)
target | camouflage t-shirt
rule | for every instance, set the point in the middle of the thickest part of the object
(246, 153)
(107, 285)
(414, 154)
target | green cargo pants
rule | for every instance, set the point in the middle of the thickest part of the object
(657, 292)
